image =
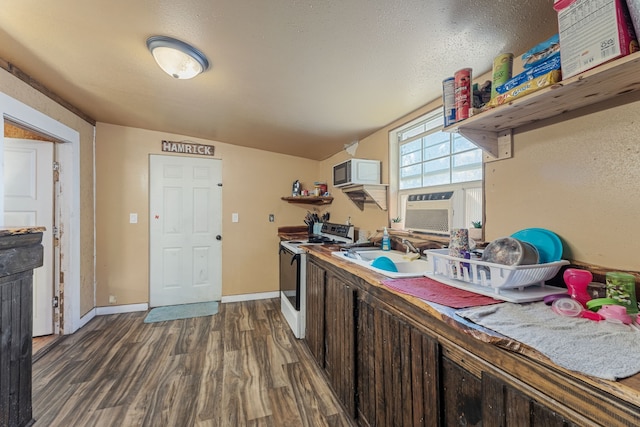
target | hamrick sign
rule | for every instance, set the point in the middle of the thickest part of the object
(187, 148)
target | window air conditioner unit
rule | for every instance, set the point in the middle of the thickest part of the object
(433, 212)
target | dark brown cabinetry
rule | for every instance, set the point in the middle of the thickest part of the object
(19, 255)
(397, 371)
(503, 405)
(461, 395)
(314, 335)
(330, 330)
(340, 339)
(391, 364)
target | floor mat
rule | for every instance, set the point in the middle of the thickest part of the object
(182, 311)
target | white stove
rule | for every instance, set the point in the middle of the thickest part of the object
(293, 272)
(330, 234)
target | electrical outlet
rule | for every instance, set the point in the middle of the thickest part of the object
(112, 299)
(272, 217)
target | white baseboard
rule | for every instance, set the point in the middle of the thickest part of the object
(117, 309)
(87, 317)
(250, 297)
(128, 308)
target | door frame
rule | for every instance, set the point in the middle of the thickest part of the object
(68, 207)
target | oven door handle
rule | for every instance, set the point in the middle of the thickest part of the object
(294, 258)
(284, 250)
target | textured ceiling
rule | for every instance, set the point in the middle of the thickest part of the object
(300, 77)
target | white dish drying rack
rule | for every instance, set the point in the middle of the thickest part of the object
(513, 283)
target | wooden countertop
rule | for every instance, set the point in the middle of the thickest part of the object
(13, 231)
(293, 232)
(294, 236)
(627, 389)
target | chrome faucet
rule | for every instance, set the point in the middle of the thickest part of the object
(351, 253)
(410, 247)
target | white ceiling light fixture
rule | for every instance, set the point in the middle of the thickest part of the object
(177, 58)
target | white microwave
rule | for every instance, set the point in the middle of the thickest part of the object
(356, 171)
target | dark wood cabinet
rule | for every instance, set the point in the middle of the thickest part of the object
(340, 339)
(330, 330)
(397, 371)
(504, 405)
(391, 364)
(19, 255)
(461, 396)
(315, 317)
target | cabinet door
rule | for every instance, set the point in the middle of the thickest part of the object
(314, 334)
(503, 405)
(397, 371)
(461, 394)
(340, 339)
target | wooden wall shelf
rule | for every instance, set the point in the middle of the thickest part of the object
(491, 130)
(367, 193)
(309, 200)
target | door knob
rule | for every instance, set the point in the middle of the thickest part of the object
(218, 237)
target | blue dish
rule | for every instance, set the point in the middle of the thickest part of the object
(547, 243)
(384, 263)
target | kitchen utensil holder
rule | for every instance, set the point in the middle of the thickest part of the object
(317, 227)
(488, 274)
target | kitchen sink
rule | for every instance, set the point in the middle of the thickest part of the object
(406, 267)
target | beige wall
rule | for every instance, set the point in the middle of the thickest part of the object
(254, 181)
(375, 147)
(578, 176)
(372, 217)
(24, 93)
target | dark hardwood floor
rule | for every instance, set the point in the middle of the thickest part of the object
(240, 367)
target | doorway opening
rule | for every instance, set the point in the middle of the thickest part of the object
(30, 190)
(68, 212)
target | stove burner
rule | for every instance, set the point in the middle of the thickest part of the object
(296, 242)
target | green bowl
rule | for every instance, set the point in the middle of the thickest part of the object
(596, 304)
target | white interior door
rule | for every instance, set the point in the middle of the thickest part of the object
(185, 207)
(28, 200)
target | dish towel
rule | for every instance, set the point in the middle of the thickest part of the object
(434, 291)
(599, 349)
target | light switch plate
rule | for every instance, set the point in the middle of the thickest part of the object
(133, 218)
(234, 217)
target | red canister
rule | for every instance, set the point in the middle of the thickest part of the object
(462, 88)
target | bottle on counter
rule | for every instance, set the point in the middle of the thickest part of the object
(622, 288)
(386, 241)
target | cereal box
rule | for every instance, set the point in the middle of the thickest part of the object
(593, 32)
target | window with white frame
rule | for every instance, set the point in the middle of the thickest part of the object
(429, 157)
(427, 160)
